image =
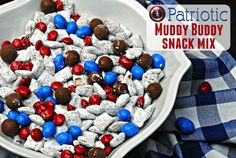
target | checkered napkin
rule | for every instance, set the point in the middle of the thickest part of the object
(213, 114)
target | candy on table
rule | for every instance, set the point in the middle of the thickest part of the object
(185, 125)
(87, 78)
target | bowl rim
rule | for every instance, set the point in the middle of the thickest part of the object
(167, 107)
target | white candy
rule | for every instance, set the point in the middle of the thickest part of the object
(75, 100)
(66, 14)
(34, 125)
(94, 129)
(73, 118)
(27, 110)
(77, 41)
(30, 27)
(88, 139)
(105, 47)
(31, 100)
(60, 109)
(122, 100)
(119, 70)
(37, 35)
(83, 20)
(49, 18)
(92, 50)
(39, 16)
(139, 117)
(150, 109)
(95, 109)
(112, 25)
(7, 74)
(16, 83)
(86, 124)
(23, 55)
(51, 26)
(24, 73)
(85, 56)
(62, 128)
(55, 52)
(117, 140)
(152, 76)
(111, 38)
(63, 75)
(147, 100)
(122, 36)
(34, 85)
(53, 44)
(110, 107)
(38, 68)
(86, 90)
(84, 114)
(72, 47)
(99, 144)
(126, 30)
(135, 41)
(133, 53)
(103, 121)
(61, 34)
(115, 127)
(37, 119)
(46, 78)
(49, 65)
(50, 152)
(5, 91)
(31, 144)
(80, 80)
(99, 90)
(139, 87)
(68, 147)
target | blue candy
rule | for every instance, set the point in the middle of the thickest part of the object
(12, 114)
(64, 138)
(110, 78)
(44, 92)
(84, 31)
(51, 99)
(75, 131)
(137, 72)
(1, 106)
(23, 119)
(59, 62)
(156, 2)
(130, 129)
(49, 129)
(91, 66)
(158, 61)
(124, 115)
(71, 27)
(185, 125)
(59, 21)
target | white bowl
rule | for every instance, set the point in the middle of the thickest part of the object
(14, 16)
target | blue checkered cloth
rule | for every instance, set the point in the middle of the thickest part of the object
(213, 114)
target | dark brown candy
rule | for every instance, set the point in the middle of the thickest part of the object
(120, 88)
(13, 101)
(48, 6)
(97, 153)
(101, 32)
(95, 22)
(10, 127)
(154, 90)
(63, 96)
(8, 53)
(95, 77)
(72, 57)
(145, 61)
(120, 46)
(105, 63)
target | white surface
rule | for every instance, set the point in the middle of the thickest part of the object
(15, 15)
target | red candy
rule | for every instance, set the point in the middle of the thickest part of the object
(17, 43)
(87, 41)
(59, 119)
(125, 62)
(70, 107)
(4, 43)
(27, 66)
(40, 110)
(59, 5)
(106, 138)
(23, 91)
(94, 99)
(140, 101)
(47, 114)
(77, 69)
(15, 65)
(108, 150)
(49, 105)
(66, 154)
(52, 35)
(84, 103)
(71, 88)
(45, 51)
(25, 82)
(67, 40)
(38, 45)
(79, 156)
(24, 133)
(205, 87)
(26, 42)
(36, 134)
(80, 149)
(75, 16)
(111, 97)
(38, 104)
(56, 85)
(41, 26)
(107, 89)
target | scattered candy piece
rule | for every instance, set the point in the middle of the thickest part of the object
(185, 125)
(129, 129)
(205, 87)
